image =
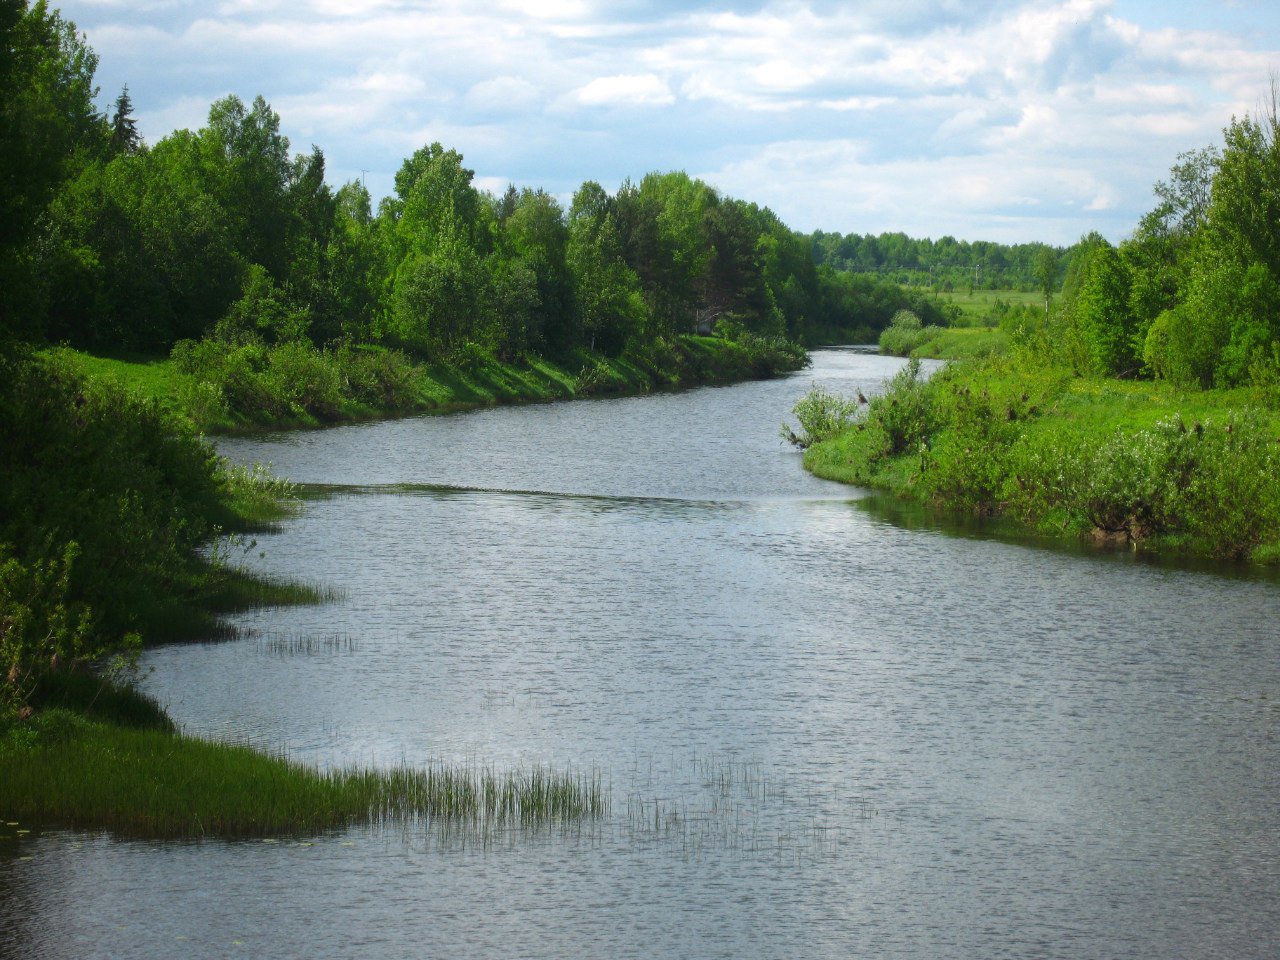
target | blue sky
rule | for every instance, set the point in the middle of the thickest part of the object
(1011, 120)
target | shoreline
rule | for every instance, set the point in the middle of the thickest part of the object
(1119, 464)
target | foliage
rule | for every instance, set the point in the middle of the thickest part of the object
(821, 415)
(1195, 294)
(102, 504)
(1012, 437)
(906, 334)
(944, 264)
(49, 129)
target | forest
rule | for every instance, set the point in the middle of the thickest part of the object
(224, 233)
(942, 265)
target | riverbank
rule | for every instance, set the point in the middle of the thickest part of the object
(98, 756)
(110, 500)
(219, 388)
(1121, 463)
(943, 343)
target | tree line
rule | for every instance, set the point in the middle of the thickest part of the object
(945, 264)
(1193, 297)
(224, 232)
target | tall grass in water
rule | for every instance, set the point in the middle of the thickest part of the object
(64, 770)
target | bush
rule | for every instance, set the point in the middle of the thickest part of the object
(103, 500)
(821, 415)
(904, 413)
(250, 381)
(385, 379)
(306, 379)
(905, 334)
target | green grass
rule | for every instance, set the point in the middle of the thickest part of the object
(1136, 463)
(214, 401)
(154, 377)
(956, 343)
(977, 306)
(62, 769)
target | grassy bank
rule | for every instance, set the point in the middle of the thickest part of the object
(1118, 462)
(109, 503)
(114, 762)
(218, 388)
(961, 343)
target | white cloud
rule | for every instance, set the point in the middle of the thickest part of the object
(628, 89)
(1023, 115)
(837, 185)
(502, 93)
(857, 103)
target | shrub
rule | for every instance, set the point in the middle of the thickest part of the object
(305, 378)
(103, 500)
(381, 378)
(905, 412)
(821, 415)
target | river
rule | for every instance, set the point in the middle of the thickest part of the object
(824, 734)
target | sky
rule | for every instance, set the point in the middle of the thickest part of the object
(1007, 120)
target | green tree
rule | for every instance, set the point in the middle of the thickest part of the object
(606, 290)
(1046, 276)
(247, 170)
(1101, 313)
(49, 130)
(535, 232)
(124, 128)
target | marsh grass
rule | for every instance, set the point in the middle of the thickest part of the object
(714, 803)
(65, 770)
(233, 589)
(294, 645)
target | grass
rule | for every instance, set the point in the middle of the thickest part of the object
(957, 343)
(63, 769)
(246, 395)
(154, 377)
(1135, 463)
(977, 306)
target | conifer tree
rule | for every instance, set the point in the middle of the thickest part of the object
(124, 128)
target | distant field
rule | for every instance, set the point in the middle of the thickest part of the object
(978, 308)
(985, 299)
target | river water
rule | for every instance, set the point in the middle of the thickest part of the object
(825, 734)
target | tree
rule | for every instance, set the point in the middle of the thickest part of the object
(49, 129)
(606, 290)
(124, 129)
(247, 170)
(1046, 276)
(1101, 313)
(535, 233)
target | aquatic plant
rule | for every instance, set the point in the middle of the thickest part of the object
(63, 769)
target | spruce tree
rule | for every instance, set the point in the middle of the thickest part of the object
(124, 129)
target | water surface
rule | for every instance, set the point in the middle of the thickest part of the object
(824, 734)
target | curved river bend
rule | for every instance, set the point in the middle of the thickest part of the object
(823, 734)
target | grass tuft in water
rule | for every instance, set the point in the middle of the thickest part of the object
(63, 769)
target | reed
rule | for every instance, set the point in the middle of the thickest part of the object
(64, 770)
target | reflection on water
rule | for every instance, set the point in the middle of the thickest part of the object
(825, 730)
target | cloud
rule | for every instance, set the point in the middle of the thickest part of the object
(503, 93)
(836, 185)
(625, 89)
(1019, 115)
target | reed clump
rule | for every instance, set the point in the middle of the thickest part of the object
(62, 769)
